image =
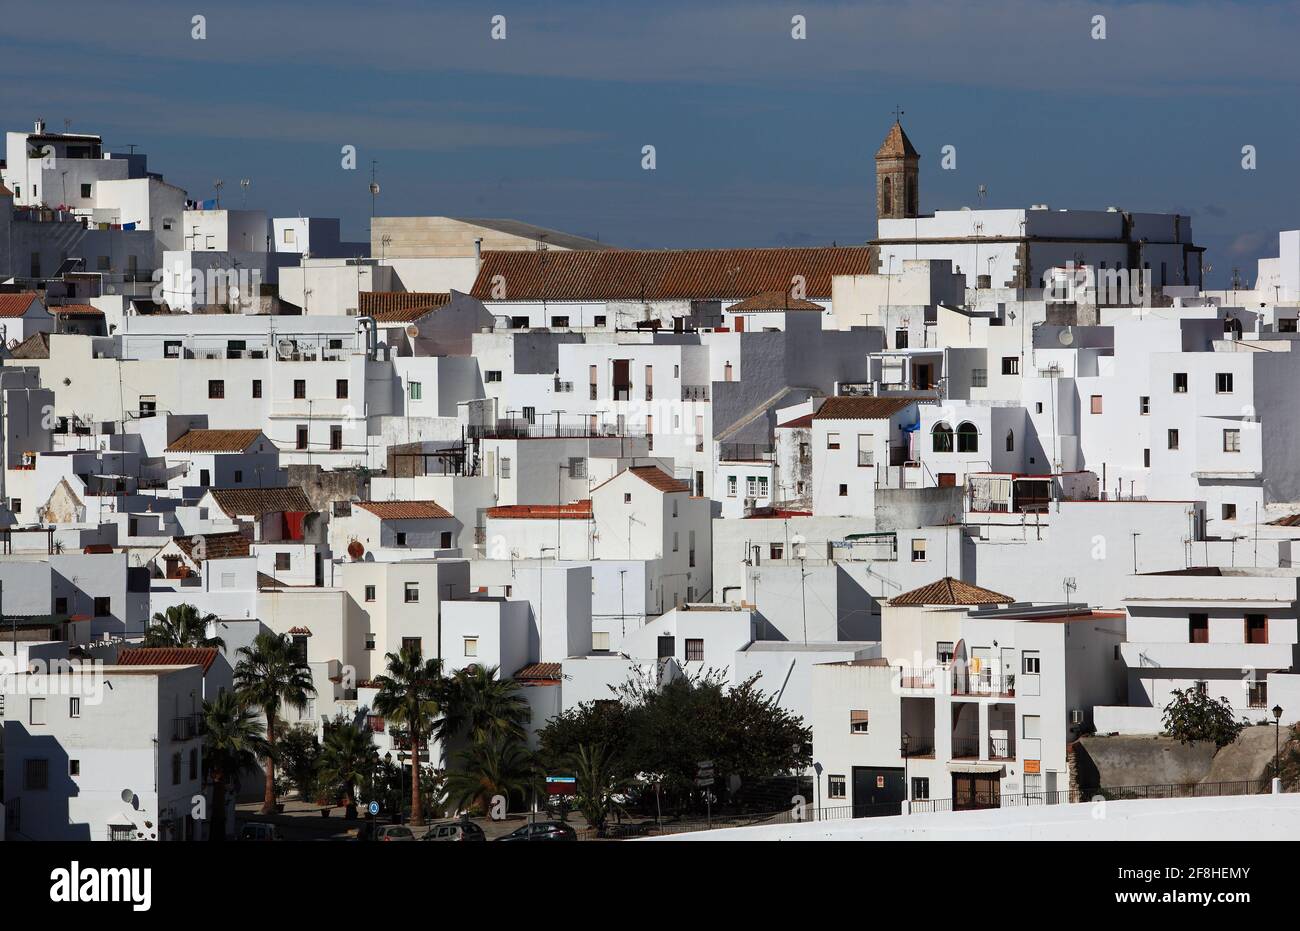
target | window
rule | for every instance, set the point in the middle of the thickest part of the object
(1038, 407)
(282, 561)
(36, 711)
(336, 437)
(1146, 458)
(777, 551)
(301, 440)
(1232, 441)
(299, 388)
(675, 546)
(920, 787)
(1029, 726)
(1144, 405)
(1180, 382)
(836, 787)
(176, 768)
(1011, 441)
(731, 486)
(370, 593)
(505, 467)
(1228, 511)
(74, 767)
(598, 320)
(918, 550)
(530, 414)
(858, 722)
(627, 497)
(866, 449)
(1286, 325)
(844, 491)
(412, 593)
(239, 476)
(600, 640)
(1256, 628)
(103, 606)
(832, 441)
(559, 322)
(968, 438)
(257, 387)
(941, 438)
(471, 646)
(216, 388)
(1173, 439)
(1096, 404)
(61, 605)
(979, 378)
(194, 763)
(1032, 660)
(416, 391)
(36, 775)
(16, 505)
(341, 388)
(444, 540)
(74, 707)
(411, 643)
(401, 538)
(943, 652)
(694, 650)
(85, 191)
(1198, 628)
(1010, 365)
(370, 641)
(900, 339)
(577, 467)
(1223, 383)
(492, 375)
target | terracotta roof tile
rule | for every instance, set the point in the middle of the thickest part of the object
(622, 274)
(300, 631)
(578, 510)
(400, 306)
(1290, 520)
(773, 301)
(404, 510)
(215, 546)
(798, 423)
(36, 346)
(896, 144)
(214, 441)
(653, 475)
(76, 310)
(15, 305)
(168, 656)
(849, 408)
(950, 591)
(540, 671)
(254, 502)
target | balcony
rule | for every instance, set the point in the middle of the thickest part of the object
(965, 748)
(185, 727)
(923, 678)
(695, 392)
(983, 684)
(745, 452)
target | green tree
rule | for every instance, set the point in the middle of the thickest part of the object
(269, 675)
(411, 695)
(181, 626)
(594, 723)
(483, 706)
(597, 785)
(348, 759)
(1193, 715)
(232, 742)
(488, 768)
(299, 759)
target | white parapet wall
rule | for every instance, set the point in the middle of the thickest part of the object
(1218, 818)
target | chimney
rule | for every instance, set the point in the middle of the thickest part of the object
(40, 126)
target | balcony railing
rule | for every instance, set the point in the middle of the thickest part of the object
(185, 727)
(1001, 748)
(923, 678)
(695, 392)
(965, 748)
(984, 684)
(745, 452)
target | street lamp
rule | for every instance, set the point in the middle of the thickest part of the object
(1277, 747)
(907, 790)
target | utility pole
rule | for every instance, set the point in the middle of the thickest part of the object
(622, 605)
(803, 597)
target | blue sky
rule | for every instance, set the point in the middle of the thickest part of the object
(760, 139)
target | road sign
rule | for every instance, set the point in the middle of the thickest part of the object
(703, 781)
(561, 785)
(373, 808)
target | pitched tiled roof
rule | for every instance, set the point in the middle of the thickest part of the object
(798, 422)
(36, 346)
(653, 475)
(773, 301)
(300, 631)
(540, 671)
(15, 305)
(76, 310)
(255, 502)
(622, 274)
(5, 192)
(214, 441)
(578, 510)
(403, 510)
(400, 306)
(847, 408)
(950, 591)
(215, 545)
(896, 144)
(1290, 520)
(168, 656)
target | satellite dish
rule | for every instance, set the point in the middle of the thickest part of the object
(413, 331)
(1065, 337)
(285, 348)
(356, 550)
(127, 796)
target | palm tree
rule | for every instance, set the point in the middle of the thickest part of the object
(489, 768)
(181, 626)
(348, 758)
(232, 742)
(269, 675)
(411, 695)
(597, 782)
(484, 706)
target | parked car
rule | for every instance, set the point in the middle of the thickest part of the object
(393, 832)
(542, 830)
(259, 830)
(455, 831)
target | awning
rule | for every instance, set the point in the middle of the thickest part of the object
(976, 767)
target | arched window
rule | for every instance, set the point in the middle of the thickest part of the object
(1011, 441)
(886, 194)
(941, 437)
(968, 438)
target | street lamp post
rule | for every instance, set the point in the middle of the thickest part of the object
(907, 785)
(1277, 747)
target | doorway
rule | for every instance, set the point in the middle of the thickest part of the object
(878, 791)
(974, 791)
